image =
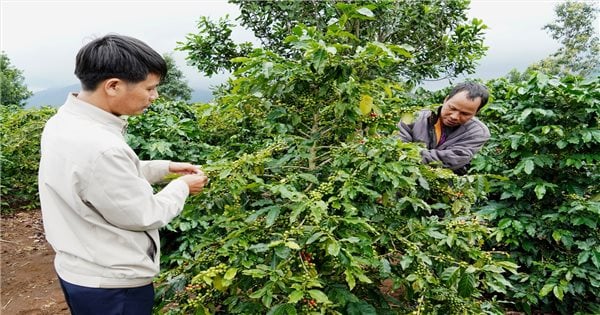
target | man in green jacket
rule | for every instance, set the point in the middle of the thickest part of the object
(452, 134)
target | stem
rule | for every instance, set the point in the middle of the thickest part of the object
(312, 160)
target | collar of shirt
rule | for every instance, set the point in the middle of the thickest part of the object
(79, 107)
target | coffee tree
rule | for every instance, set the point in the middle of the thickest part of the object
(315, 207)
(20, 133)
(546, 140)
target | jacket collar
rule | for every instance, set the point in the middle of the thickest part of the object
(78, 107)
(435, 115)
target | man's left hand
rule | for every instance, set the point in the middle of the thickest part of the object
(184, 168)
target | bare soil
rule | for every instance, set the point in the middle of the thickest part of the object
(29, 285)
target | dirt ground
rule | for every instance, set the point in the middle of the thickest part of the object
(29, 285)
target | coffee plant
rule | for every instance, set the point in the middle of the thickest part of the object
(167, 130)
(20, 134)
(546, 146)
(316, 207)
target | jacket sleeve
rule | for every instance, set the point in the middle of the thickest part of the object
(155, 171)
(460, 152)
(126, 199)
(405, 131)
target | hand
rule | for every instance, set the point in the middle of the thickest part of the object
(184, 168)
(195, 182)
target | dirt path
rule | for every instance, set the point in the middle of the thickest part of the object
(28, 281)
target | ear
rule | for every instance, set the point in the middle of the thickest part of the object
(112, 87)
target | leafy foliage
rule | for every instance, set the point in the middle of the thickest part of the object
(547, 210)
(576, 30)
(314, 205)
(168, 130)
(212, 49)
(444, 44)
(20, 131)
(173, 86)
(12, 88)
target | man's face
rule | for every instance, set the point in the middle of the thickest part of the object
(458, 109)
(134, 98)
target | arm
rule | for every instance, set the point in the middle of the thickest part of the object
(155, 171)
(406, 131)
(458, 152)
(127, 200)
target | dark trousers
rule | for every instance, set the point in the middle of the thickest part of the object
(98, 301)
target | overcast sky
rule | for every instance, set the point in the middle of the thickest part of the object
(42, 37)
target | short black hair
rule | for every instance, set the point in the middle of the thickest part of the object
(117, 56)
(474, 90)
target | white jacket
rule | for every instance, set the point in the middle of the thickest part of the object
(100, 213)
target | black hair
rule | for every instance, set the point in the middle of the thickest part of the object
(117, 56)
(474, 90)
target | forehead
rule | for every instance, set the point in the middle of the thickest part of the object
(462, 102)
(152, 78)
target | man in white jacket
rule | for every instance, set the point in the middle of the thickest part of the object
(100, 212)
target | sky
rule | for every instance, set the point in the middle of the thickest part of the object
(42, 37)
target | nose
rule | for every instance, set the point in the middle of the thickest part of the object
(153, 95)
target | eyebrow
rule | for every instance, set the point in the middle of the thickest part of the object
(462, 112)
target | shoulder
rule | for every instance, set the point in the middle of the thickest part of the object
(423, 115)
(477, 126)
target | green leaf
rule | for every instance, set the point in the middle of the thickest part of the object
(406, 261)
(319, 296)
(319, 59)
(540, 191)
(258, 293)
(259, 248)
(596, 259)
(350, 279)
(547, 289)
(435, 234)
(283, 309)
(362, 277)
(295, 296)
(272, 216)
(314, 237)
(558, 292)
(562, 144)
(556, 235)
(583, 257)
(423, 183)
(366, 104)
(450, 274)
(528, 168)
(333, 248)
(466, 285)
(309, 177)
(230, 274)
(525, 114)
(366, 12)
(360, 308)
(292, 245)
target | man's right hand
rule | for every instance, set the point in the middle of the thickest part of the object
(195, 182)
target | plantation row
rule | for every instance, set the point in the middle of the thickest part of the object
(312, 207)
(315, 206)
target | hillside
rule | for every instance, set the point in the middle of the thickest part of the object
(57, 96)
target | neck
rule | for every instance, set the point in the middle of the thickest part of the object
(93, 98)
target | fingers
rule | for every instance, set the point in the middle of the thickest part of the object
(195, 182)
(184, 168)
